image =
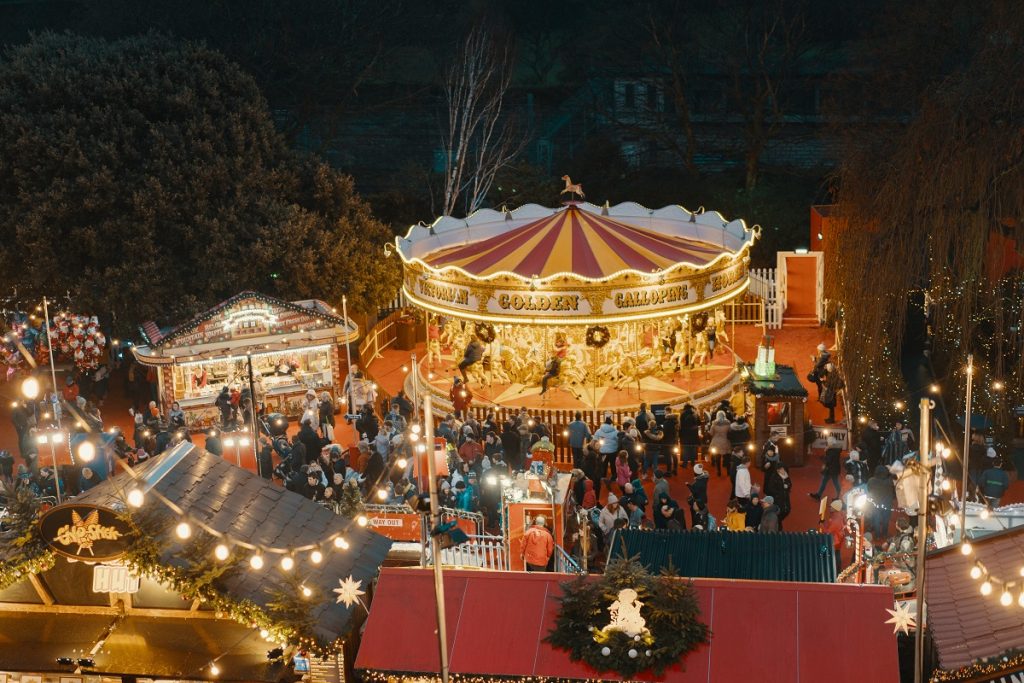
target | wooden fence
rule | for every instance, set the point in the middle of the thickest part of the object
(764, 286)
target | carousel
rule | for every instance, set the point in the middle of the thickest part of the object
(579, 306)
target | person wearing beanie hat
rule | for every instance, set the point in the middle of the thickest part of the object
(538, 546)
(856, 470)
(769, 516)
(699, 486)
(660, 484)
(611, 512)
(837, 505)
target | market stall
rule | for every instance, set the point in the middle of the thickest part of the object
(779, 400)
(608, 303)
(289, 348)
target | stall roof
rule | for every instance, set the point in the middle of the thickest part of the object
(732, 554)
(248, 508)
(497, 621)
(966, 625)
(786, 385)
(285, 325)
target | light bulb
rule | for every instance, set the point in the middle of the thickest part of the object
(30, 388)
(966, 548)
(256, 561)
(306, 591)
(382, 494)
(136, 497)
(86, 451)
(986, 588)
(984, 513)
(229, 442)
(416, 429)
(341, 543)
(244, 441)
(264, 633)
(183, 530)
(975, 572)
(214, 669)
(414, 437)
(316, 557)
(42, 438)
(565, 432)
(945, 485)
(362, 521)
(1006, 599)
(287, 563)
(402, 463)
(221, 552)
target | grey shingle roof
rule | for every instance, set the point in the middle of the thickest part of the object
(245, 507)
(966, 625)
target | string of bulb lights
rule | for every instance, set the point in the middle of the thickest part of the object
(989, 582)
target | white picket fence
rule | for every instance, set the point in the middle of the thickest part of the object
(763, 284)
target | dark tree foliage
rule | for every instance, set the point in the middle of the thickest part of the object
(146, 177)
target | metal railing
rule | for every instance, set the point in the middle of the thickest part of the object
(448, 514)
(566, 563)
(481, 551)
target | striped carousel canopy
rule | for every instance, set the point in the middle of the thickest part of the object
(574, 241)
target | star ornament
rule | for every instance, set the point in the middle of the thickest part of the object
(902, 619)
(349, 591)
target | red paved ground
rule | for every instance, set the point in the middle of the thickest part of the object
(794, 347)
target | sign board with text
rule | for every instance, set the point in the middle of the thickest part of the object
(85, 532)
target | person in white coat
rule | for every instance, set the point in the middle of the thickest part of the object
(742, 489)
(609, 513)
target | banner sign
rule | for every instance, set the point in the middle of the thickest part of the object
(85, 532)
(405, 527)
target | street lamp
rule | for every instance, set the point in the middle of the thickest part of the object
(30, 390)
(238, 442)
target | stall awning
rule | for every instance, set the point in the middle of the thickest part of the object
(785, 384)
(497, 620)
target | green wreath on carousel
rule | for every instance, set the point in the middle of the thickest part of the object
(628, 621)
(699, 321)
(598, 336)
(485, 332)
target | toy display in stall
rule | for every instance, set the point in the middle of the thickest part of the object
(79, 339)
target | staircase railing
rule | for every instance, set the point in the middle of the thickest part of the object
(566, 563)
(481, 551)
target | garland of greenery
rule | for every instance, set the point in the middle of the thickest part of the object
(597, 336)
(29, 554)
(699, 321)
(669, 608)
(199, 577)
(485, 332)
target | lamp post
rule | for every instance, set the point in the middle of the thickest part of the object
(237, 442)
(924, 449)
(965, 480)
(435, 547)
(30, 390)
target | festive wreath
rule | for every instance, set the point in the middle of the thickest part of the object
(484, 332)
(628, 621)
(597, 336)
(700, 321)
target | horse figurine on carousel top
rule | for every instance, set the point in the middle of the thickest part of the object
(572, 188)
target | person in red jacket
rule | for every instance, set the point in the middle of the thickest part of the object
(461, 398)
(837, 528)
(538, 546)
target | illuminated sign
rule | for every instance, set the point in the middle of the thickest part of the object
(449, 294)
(540, 303)
(85, 532)
(652, 297)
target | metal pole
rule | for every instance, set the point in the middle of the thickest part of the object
(53, 407)
(415, 386)
(435, 548)
(967, 450)
(922, 536)
(252, 417)
(348, 357)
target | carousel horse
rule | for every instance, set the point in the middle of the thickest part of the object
(700, 350)
(433, 344)
(720, 326)
(452, 332)
(572, 188)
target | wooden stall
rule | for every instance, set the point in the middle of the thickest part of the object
(779, 409)
(292, 347)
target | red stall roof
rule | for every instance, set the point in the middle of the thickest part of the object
(761, 630)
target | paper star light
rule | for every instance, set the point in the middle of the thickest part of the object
(902, 619)
(349, 591)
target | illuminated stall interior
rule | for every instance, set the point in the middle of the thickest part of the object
(623, 296)
(293, 347)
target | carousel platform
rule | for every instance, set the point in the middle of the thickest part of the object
(700, 384)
